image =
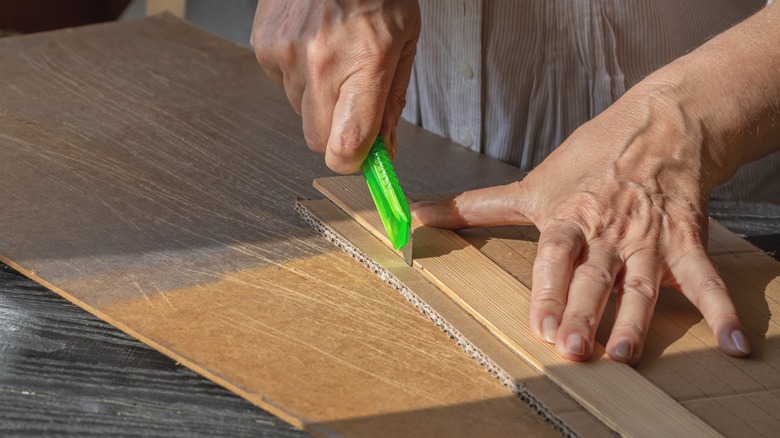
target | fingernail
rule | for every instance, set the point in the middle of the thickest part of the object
(623, 349)
(550, 329)
(740, 341)
(575, 344)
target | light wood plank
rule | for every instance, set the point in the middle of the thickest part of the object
(615, 393)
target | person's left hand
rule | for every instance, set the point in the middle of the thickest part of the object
(621, 205)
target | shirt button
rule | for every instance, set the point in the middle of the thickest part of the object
(465, 70)
(464, 137)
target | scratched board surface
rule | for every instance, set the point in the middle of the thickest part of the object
(149, 173)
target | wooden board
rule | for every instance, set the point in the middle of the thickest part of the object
(722, 390)
(530, 385)
(149, 173)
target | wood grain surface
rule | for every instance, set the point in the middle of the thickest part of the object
(148, 175)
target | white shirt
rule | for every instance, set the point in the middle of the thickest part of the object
(513, 78)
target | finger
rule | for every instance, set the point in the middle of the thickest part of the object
(396, 97)
(700, 283)
(319, 99)
(636, 302)
(264, 56)
(559, 248)
(499, 205)
(294, 87)
(589, 291)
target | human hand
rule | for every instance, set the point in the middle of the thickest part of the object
(345, 66)
(621, 205)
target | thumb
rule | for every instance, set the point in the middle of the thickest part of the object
(356, 118)
(492, 206)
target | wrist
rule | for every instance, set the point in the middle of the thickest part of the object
(667, 118)
(730, 88)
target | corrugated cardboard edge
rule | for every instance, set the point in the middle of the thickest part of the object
(518, 388)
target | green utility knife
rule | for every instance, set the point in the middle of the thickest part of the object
(389, 198)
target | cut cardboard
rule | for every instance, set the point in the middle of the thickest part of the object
(478, 342)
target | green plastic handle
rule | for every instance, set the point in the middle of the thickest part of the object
(388, 195)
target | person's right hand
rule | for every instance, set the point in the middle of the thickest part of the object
(345, 66)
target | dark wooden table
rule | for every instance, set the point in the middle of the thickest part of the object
(65, 372)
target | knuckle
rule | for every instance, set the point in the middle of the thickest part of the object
(397, 99)
(279, 52)
(728, 315)
(376, 46)
(548, 298)
(617, 227)
(710, 289)
(371, 54)
(320, 59)
(631, 327)
(374, 54)
(555, 248)
(690, 235)
(346, 143)
(585, 321)
(712, 284)
(263, 55)
(273, 47)
(641, 287)
(284, 52)
(544, 268)
(258, 39)
(595, 273)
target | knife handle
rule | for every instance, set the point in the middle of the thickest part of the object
(387, 194)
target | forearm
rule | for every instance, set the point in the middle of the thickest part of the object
(731, 87)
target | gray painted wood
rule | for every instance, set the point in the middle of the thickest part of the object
(65, 372)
